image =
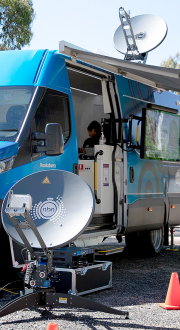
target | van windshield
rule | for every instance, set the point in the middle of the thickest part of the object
(14, 102)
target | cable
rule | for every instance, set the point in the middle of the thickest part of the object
(22, 253)
(83, 240)
(9, 291)
(9, 284)
(125, 149)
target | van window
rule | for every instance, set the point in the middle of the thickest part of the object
(54, 108)
(14, 103)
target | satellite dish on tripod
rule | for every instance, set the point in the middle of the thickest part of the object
(139, 35)
(62, 207)
(46, 210)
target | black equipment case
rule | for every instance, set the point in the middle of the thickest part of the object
(69, 257)
(83, 280)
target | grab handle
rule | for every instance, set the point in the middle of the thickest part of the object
(100, 152)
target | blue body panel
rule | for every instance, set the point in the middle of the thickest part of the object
(148, 173)
(19, 68)
(54, 73)
(8, 149)
(167, 99)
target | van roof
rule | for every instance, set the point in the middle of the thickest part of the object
(19, 67)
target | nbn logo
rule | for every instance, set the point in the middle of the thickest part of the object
(48, 209)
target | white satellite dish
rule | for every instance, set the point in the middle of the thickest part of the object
(62, 208)
(140, 34)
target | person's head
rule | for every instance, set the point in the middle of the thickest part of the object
(94, 128)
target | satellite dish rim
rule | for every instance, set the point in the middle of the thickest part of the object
(54, 246)
(132, 28)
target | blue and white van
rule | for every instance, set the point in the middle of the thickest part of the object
(136, 195)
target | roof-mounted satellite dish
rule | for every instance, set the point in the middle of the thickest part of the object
(62, 207)
(139, 35)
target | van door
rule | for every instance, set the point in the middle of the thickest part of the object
(55, 108)
(92, 102)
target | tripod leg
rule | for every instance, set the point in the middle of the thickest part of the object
(29, 300)
(60, 299)
(40, 299)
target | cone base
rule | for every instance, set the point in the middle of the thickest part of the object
(52, 326)
(168, 307)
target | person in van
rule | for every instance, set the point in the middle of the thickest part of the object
(94, 131)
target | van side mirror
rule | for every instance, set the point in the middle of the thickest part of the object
(52, 142)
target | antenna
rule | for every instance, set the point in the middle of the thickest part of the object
(61, 207)
(139, 35)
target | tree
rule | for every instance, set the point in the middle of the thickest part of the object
(16, 17)
(172, 62)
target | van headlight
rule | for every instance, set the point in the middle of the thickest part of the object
(6, 164)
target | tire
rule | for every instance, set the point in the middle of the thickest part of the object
(156, 240)
(132, 243)
(147, 243)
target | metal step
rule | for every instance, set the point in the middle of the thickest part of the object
(107, 249)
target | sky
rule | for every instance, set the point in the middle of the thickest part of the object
(91, 24)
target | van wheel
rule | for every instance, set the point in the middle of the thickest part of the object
(156, 239)
(152, 241)
(146, 243)
(132, 243)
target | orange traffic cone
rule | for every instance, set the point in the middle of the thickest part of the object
(173, 294)
(52, 326)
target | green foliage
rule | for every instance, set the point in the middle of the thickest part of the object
(172, 62)
(16, 17)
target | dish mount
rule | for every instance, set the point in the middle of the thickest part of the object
(137, 36)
